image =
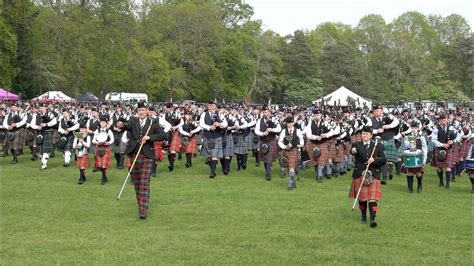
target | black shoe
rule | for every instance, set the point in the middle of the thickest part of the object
(268, 177)
(15, 160)
(66, 165)
(447, 185)
(363, 220)
(52, 155)
(410, 190)
(142, 217)
(187, 165)
(103, 181)
(419, 189)
(383, 182)
(96, 170)
(80, 182)
(225, 172)
(373, 223)
(257, 164)
(318, 179)
(34, 157)
(153, 174)
(453, 179)
(170, 168)
(244, 166)
(440, 184)
(390, 177)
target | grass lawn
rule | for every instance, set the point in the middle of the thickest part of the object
(46, 218)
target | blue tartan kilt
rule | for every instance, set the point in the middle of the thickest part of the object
(249, 142)
(390, 150)
(69, 143)
(216, 152)
(119, 148)
(198, 137)
(18, 142)
(239, 144)
(47, 145)
(227, 145)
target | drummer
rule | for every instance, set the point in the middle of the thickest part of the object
(417, 141)
(290, 141)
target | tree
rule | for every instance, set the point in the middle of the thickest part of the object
(8, 46)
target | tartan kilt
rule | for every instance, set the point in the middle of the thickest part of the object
(191, 147)
(239, 144)
(120, 147)
(69, 143)
(465, 146)
(249, 142)
(348, 146)
(158, 150)
(82, 161)
(292, 156)
(456, 148)
(55, 137)
(323, 159)
(24, 136)
(30, 142)
(390, 150)
(447, 163)
(105, 160)
(272, 154)
(418, 170)
(18, 142)
(175, 144)
(370, 192)
(332, 149)
(216, 152)
(46, 146)
(198, 137)
(339, 153)
(227, 145)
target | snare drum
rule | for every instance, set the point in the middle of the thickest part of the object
(413, 159)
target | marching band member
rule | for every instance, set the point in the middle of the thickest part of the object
(3, 133)
(240, 133)
(66, 128)
(227, 140)
(316, 132)
(32, 133)
(118, 146)
(188, 131)
(267, 129)
(443, 139)
(367, 154)
(173, 117)
(44, 123)
(418, 142)
(212, 124)
(252, 141)
(290, 141)
(14, 122)
(81, 144)
(103, 138)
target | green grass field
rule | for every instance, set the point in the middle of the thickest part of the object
(46, 218)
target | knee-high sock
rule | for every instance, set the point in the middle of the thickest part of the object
(44, 159)
(363, 208)
(67, 157)
(373, 209)
(171, 158)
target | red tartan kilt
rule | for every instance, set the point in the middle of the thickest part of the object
(321, 160)
(175, 142)
(370, 192)
(332, 150)
(158, 151)
(340, 154)
(191, 147)
(292, 156)
(456, 148)
(105, 160)
(418, 170)
(272, 154)
(82, 162)
(464, 151)
(447, 163)
(348, 148)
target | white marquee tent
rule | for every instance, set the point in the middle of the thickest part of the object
(53, 96)
(344, 97)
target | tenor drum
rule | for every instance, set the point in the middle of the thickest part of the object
(413, 159)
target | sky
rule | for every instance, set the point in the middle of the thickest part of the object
(286, 16)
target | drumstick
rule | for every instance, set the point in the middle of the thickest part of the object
(133, 163)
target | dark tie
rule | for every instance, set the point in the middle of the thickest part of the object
(142, 123)
(367, 146)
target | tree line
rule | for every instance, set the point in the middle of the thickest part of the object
(181, 49)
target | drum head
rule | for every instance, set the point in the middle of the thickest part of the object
(102, 137)
(30, 136)
(39, 139)
(265, 148)
(316, 152)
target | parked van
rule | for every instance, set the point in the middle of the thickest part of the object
(126, 97)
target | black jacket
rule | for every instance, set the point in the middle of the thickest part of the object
(362, 155)
(135, 133)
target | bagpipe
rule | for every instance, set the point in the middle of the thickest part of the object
(188, 126)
